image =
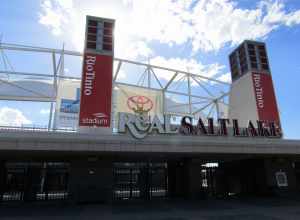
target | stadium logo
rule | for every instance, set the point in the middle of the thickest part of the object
(140, 104)
(100, 115)
(100, 119)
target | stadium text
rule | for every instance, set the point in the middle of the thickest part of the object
(140, 126)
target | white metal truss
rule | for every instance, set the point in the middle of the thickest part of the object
(214, 91)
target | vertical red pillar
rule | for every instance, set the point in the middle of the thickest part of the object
(265, 98)
(97, 71)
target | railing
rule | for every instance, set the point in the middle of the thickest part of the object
(34, 129)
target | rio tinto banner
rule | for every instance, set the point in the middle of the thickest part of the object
(96, 85)
(265, 97)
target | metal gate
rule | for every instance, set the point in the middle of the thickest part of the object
(139, 181)
(35, 181)
(209, 180)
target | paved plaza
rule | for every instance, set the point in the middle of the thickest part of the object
(262, 208)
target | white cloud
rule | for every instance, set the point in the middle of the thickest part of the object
(225, 77)
(56, 14)
(160, 20)
(186, 65)
(137, 49)
(293, 19)
(218, 22)
(203, 26)
(66, 70)
(12, 117)
(69, 24)
(206, 25)
(45, 111)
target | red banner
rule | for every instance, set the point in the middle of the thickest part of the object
(96, 90)
(265, 97)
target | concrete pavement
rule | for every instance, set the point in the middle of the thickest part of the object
(259, 208)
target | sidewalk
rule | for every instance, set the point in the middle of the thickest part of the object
(269, 209)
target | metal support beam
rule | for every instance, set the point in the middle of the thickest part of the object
(210, 111)
(50, 117)
(54, 73)
(189, 93)
(39, 75)
(149, 77)
(217, 109)
(117, 70)
(177, 79)
(201, 109)
(156, 78)
(170, 81)
(74, 53)
(203, 87)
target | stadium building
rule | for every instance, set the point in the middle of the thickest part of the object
(124, 130)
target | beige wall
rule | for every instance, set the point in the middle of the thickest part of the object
(242, 102)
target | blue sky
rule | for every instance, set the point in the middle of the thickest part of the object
(197, 35)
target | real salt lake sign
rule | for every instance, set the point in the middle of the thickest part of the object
(140, 126)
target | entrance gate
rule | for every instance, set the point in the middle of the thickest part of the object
(32, 181)
(209, 180)
(139, 181)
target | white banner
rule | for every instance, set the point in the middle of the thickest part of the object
(67, 104)
(137, 100)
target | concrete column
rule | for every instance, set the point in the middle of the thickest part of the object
(176, 179)
(222, 186)
(2, 179)
(91, 180)
(193, 180)
(171, 179)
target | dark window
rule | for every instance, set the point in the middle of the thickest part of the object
(265, 66)
(92, 30)
(234, 74)
(252, 58)
(107, 47)
(91, 45)
(261, 48)
(91, 37)
(232, 58)
(107, 39)
(108, 31)
(250, 46)
(92, 23)
(108, 25)
(262, 54)
(251, 52)
(254, 65)
(263, 60)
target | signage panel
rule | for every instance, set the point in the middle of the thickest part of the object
(140, 126)
(96, 91)
(265, 97)
(133, 99)
(67, 104)
(97, 71)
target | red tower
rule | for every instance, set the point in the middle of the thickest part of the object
(252, 95)
(97, 71)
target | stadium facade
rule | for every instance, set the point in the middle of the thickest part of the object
(109, 140)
